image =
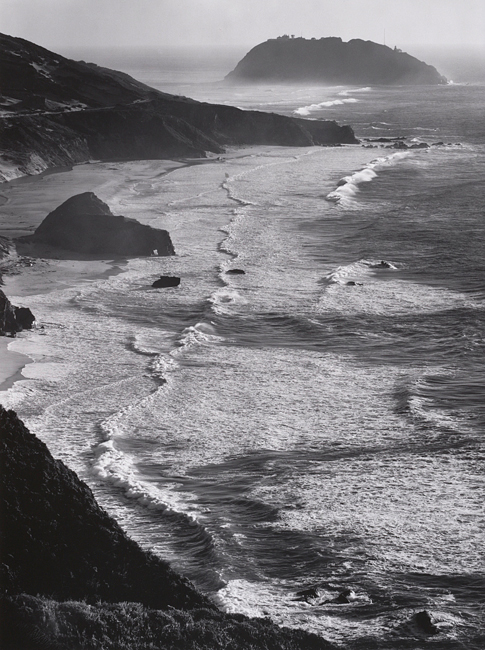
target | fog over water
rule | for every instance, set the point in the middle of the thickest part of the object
(114, 23)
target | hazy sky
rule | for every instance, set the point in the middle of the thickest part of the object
(64, 23)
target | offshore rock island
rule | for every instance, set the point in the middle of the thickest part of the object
(57, 112)
(332, 61)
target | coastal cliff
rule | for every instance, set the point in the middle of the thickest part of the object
(13, 319)
(55, 112)
(71, 578)
(85, 224)
(332, 61)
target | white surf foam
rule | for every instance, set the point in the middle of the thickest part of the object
(366, 89)
(348, 187)
(358, 289)
(304, 111)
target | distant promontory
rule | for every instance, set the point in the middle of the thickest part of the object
(57, 112)
(332, 61)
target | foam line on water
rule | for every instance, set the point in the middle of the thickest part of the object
(348, 186)
(304, 111)
(360, 270)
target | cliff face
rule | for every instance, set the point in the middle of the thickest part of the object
(56, 540)
(330, 60)
(13, 319)
(54, 111)
(85, 224)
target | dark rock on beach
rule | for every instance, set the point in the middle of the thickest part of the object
(84, 224)
(14, 319)
(24, 317)
(331, 60)
(71, 578)
(59, 112)
(235, 272)
(166, 281)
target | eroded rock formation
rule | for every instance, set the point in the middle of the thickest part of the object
(85, 224)
(13, 319)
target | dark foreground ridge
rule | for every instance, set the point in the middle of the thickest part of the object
(85, 224)
(55, 111)
(71, 578)
(331, 61)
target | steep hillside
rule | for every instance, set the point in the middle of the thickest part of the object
(71, 578)
(54, 111)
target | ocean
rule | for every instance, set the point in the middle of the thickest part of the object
(317, 422)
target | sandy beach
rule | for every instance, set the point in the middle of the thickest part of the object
(11, 364)
(26, 201)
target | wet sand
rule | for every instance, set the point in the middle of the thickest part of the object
(11, 364)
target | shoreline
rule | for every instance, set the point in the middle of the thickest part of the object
(11, 365)
(42, 275)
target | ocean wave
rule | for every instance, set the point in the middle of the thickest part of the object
(348, 186)
(224, 297)
(443, 399)
(201, 333)
(356, 271)
(119, 469)
(307, 110)
(134, 345)
(366, 89)
(230, 190)
(358, 288)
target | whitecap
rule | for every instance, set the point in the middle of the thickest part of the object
(348, 186)
(307, 110)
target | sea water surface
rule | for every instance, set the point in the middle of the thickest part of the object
(316, 422)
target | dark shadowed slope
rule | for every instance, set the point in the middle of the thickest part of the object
(69, 572)
(330, 60)
(56, 540)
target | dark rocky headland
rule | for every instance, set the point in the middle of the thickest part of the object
(71, 578)
(332, 61)
(13, 319)
(84, 224)
(57, 112)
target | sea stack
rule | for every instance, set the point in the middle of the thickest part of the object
(330, 60)
(14, 319)
(85, 224)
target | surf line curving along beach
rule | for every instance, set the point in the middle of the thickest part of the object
(241, 366)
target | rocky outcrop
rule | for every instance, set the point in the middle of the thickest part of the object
(330, 60)
(59, 112)
(165, 281)
(425, 623)
(14, 319)
(84, 224)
